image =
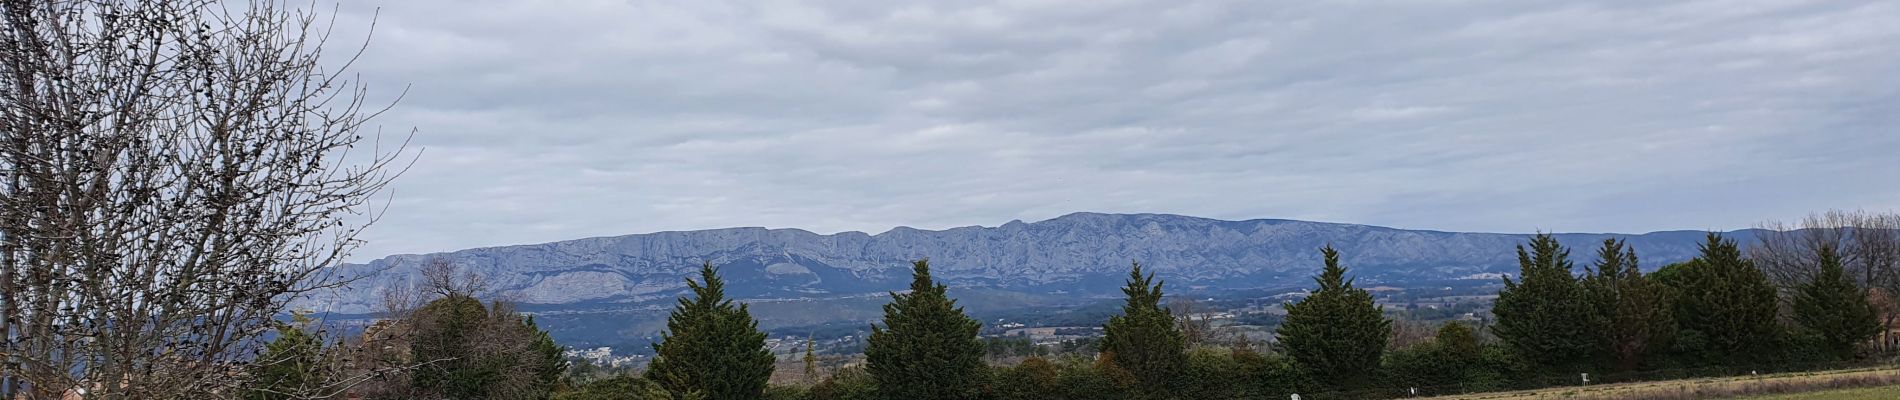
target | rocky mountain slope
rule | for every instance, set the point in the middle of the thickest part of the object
(1076, 253)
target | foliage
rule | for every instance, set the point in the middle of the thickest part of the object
(468, 351)
(850, 383)
(786, 393)
(1544, 315)
(1012, 346)
(1337, 334)
(1630, 314)
(444, 340)
(623, 387)
(1213, 373)
(1271, 376)
(712, 346)
(291, 366)
(927, 348)
(1081, 379)
(1725, 307)
(1032, 379)
(1144, 339)
(550, 357)
(1835, 310)
(1451, 362)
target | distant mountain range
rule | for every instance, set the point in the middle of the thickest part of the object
(1077, 254)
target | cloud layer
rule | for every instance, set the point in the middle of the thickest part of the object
(550, 120)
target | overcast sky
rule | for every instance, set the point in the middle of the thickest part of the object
(551, 120)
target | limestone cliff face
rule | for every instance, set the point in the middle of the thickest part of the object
(1070, 253)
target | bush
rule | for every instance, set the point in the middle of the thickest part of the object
(1498, 368)
(1083, 379)
(786, 393)
(1033, 379)
(850, 383)
(1271, 376)
(1212, 373)
(616, 388)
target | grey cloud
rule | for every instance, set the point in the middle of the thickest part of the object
(555, 120)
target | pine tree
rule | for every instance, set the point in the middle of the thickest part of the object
(1544, 317)
(1631, 314)
(1144, 340)
(713, 347)
(927, 348)
(1337, 334)
(1725, 306)
(1834, 309)
(290, 367)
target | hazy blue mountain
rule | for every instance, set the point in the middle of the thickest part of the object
(1076, 255)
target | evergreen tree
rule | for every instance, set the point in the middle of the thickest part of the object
(1337, 334)
(927, 348)
(1144, 340)
(712, 347)
(1631, 314)
(291, 366)
(1834, 309)
(1725, 307)
(549, 358)
(1544, 315)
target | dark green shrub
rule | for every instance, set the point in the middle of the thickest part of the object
(1033, 379)
(850, 383)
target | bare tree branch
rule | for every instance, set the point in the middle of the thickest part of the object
(171, 174)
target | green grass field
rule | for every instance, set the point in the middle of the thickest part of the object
(1884, 392)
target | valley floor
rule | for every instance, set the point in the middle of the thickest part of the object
(1864, 383)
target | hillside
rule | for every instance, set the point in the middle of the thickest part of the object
(1082, 253)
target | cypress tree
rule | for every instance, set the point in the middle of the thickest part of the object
(1725, 306)
(713, 347)
(1144, 340)
(1631, 314)
(1834, 309)
(927, 348)
(1544, 316)
(811, 361)
(1337, 334)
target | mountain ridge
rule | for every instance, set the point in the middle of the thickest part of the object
(1076, 252)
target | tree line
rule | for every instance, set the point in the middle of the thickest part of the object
(1554, 323)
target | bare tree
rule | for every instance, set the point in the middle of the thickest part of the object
(172, 173)
(442, 278)
(1868, 242)
(1195, 321)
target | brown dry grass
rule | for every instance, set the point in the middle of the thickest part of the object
(1707, 388)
